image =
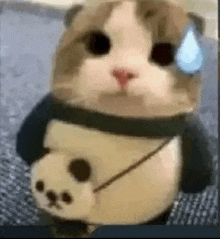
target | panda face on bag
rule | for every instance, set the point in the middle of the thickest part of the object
(61, 185)
(118, 58)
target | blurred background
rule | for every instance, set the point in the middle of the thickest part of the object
(205, 8)
(29, 34)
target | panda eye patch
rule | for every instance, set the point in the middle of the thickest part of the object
(98, 43)
(40, 186)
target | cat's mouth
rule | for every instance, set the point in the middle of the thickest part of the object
(124, 104)
(120, 103)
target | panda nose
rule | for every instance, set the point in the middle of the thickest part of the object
(123, 76)
(51, 196)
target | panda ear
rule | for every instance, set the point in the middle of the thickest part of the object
(71, 13)
(198, 21)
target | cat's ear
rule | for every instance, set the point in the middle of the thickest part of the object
(198, 21)
(172, 22)
(175, 19)
(71, 13)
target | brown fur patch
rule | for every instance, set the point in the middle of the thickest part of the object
(70, 52)
(191, 85)
(167, 20)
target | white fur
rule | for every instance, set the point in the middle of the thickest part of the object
(137, 197)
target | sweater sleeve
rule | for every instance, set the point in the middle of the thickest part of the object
(197, 164)
(29, 144)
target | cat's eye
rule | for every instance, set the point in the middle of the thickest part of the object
(98, 43)
(163, 54)
(150, 13)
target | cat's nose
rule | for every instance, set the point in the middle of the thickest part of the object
(123, 76)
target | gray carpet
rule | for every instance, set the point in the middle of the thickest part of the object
(27, 44)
